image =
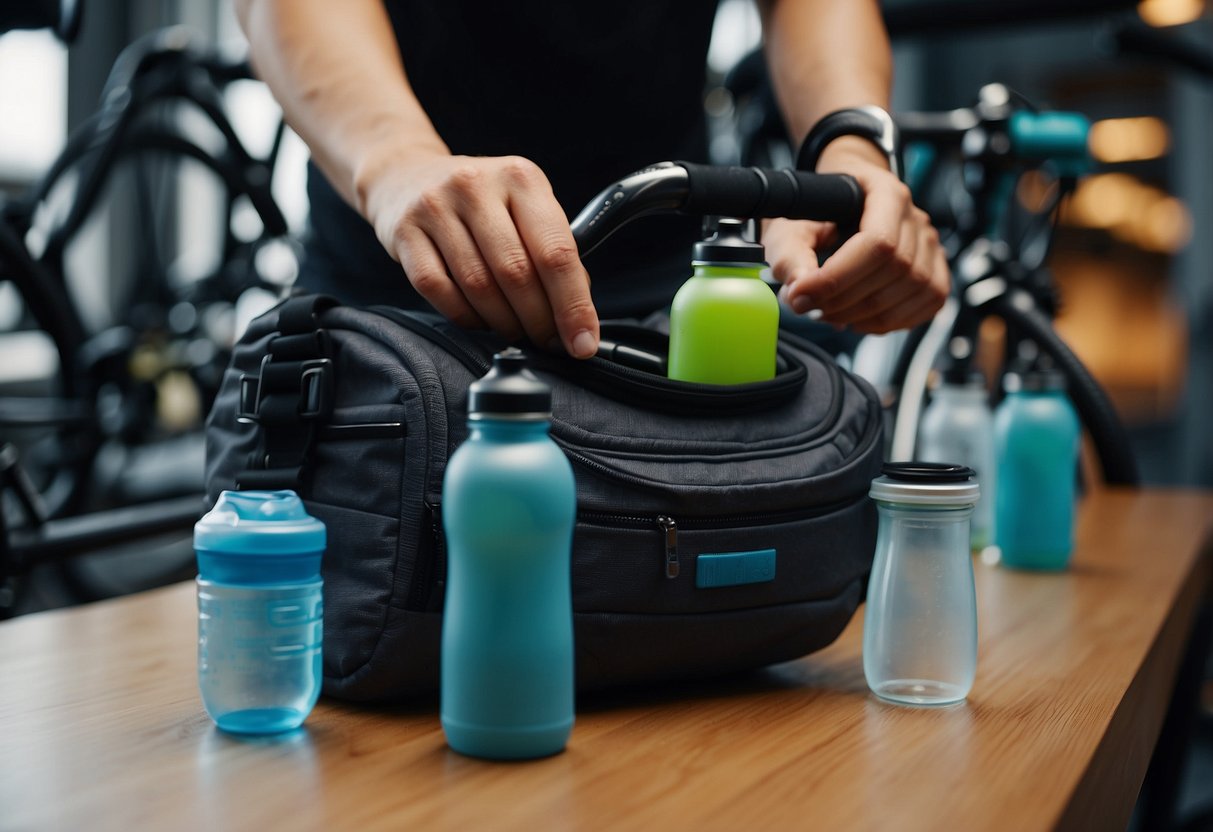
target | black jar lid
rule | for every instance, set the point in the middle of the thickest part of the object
(926, 483)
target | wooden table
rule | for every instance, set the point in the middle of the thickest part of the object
(101, 726)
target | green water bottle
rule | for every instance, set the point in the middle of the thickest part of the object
(724, 323)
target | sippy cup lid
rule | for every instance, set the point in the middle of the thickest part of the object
(926, 484)
(259, 537)
(265, 522)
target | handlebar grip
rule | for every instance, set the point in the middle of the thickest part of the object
(759, 192)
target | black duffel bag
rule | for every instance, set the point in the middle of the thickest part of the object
(719, 528)
(359, 410)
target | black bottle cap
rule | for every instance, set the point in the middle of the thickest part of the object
(958, 375)
(926, 472)
(728, 244)
(934, 484)
(1034, 381)
(510, 389)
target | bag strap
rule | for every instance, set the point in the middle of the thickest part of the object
(289, 398)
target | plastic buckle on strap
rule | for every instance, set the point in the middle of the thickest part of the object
(316, 388)
(250, 395)
(315, 391)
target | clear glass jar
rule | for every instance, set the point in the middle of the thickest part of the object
(920, 621)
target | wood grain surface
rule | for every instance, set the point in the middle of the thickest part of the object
(101, 726)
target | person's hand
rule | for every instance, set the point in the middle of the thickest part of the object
(890, 275)
(484, 240)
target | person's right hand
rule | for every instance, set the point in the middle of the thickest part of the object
(484, 240)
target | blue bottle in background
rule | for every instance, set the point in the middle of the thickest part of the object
(1037, 435)
(508, 508)
(259, 611)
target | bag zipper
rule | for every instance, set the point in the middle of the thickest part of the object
(666, 524)
(429, 583)
(478, 365)
(692, 397)
(423, 595)
(668, 527)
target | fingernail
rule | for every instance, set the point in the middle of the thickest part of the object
(783, 293)
(584, 344)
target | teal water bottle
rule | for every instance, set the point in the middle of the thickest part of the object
(958, 428)
(1037, 435)
(724, 321)
(260, 611)
(508, 508)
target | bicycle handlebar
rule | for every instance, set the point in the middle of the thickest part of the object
(946, 127)
(750, 193)
(1033, 136)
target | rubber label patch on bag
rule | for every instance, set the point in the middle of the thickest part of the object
(734, 568)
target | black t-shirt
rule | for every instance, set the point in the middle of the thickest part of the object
(589, 92)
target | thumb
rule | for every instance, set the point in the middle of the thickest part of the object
(792, 250)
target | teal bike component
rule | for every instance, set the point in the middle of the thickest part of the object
(919, 159)
(1059, 138)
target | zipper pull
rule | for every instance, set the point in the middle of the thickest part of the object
(667, 525)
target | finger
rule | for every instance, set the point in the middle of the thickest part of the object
(795, 264)
(940, 273)
(896, 295)
(510, 262)
(792, 247)
(920, 305)
(913, 298)
(472, 275)
(875, 244)
(546, 234)
(864, 295)
(903, 317)
(426, 271)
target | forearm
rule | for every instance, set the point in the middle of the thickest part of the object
(336, 71)
(825, 55)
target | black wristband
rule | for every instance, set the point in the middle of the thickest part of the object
(871, 123)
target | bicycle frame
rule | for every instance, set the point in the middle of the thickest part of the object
(163, 70)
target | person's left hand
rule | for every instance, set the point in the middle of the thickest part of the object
(890, 275)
